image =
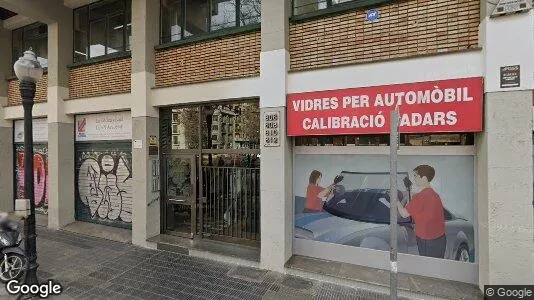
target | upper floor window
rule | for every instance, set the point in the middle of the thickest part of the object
(35, 36)
(102, 28)
(308, 6)
(184, 18)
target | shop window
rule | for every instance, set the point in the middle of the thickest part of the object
(34, 36)
(383, 140)
(186, 18)
(302, 7)
(102, 28)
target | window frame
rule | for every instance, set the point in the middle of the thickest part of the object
(23, 41)
(126, 11)
(210, 33)
(333, 9)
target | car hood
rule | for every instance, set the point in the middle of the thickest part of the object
(329, 228)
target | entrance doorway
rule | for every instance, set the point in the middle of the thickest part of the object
(210, 171)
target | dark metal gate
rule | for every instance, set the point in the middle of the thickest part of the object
(231, 205)
(210, 171)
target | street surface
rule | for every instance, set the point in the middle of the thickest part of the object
(92, 268)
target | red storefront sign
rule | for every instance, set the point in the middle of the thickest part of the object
(453, 105)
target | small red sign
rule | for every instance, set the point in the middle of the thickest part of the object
(453, 105)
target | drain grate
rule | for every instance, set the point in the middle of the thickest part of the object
(297, 283)
(248, 274)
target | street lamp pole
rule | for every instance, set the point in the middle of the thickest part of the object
(29, 71)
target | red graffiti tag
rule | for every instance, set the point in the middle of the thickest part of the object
(40, 178)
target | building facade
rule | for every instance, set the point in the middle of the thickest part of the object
(229, 120)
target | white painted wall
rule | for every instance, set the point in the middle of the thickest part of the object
(429, 68)
(17, 112)
(508, 40)
(208, 91)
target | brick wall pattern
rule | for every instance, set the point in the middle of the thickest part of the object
(405, 28)
(227, 57)
(13, 92)
(110, 77)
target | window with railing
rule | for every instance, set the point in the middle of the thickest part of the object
(35, 36)
(303, 7)
(181, 19)
(102, 28)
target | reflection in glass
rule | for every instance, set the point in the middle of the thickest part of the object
(185, 128)
(97, 38)
(250, 12)
(80, 35)
(223, 14)
(171, 20)
(231, 126)
(196, 20)
(116, 28)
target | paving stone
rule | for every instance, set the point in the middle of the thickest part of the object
(93, 268)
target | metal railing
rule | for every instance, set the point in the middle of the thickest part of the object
(231, 206)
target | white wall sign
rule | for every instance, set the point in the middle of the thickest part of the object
(104, 127)
(40, 131)
(272, 129)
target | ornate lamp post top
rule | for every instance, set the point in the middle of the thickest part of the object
(28, 68)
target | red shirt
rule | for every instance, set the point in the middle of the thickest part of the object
(313, 202)
(427, 212)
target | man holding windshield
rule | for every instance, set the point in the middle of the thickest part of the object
(427, 212)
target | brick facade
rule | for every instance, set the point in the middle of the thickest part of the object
(110, 77)
(404, 29)
(13, 92)
(222, 58)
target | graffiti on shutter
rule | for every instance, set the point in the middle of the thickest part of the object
(104, 186)
(40, 176)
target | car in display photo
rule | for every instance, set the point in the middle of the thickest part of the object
(357, 213)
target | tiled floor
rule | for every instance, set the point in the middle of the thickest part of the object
(92, 268)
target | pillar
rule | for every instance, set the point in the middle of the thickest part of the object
(145, 120)
(276, 162)
(6, 130)
(60, 126)
(504, 154)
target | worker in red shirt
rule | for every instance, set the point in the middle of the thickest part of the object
(315, 193)
(426, 210)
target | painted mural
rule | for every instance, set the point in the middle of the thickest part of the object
(344, 199)
(104, 187)
(40, 175)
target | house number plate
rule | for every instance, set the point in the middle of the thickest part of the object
(272, 129)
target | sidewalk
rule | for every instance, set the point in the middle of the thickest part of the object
(92, 268)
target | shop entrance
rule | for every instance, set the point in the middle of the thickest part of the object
(210, 171)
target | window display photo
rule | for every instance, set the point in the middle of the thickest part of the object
(345, 199)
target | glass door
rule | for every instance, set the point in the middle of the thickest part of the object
(180, 178)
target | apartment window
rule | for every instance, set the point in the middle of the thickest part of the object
(34, 36)
(185, 18)
(309, 6)
(102, 28)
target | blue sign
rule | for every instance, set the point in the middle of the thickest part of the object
(372, 15)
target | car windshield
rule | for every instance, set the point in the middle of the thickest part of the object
(365, 197)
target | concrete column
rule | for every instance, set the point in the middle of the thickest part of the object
(145, 120)
(276, 162)
(60, 126)
(6, 130)
(504, 154)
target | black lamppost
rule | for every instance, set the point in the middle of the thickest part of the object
(29, 71)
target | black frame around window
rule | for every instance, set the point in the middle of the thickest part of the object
(86, 16)
(238, 20)
(25, 37)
